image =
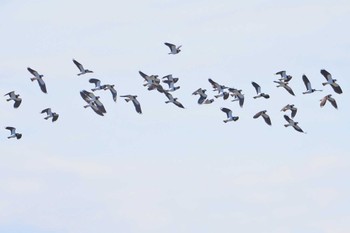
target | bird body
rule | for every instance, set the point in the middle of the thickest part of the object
(173, 100)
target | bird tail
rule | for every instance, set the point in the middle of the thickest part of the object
(324, 84)
(33, 79)
(47, 117)
(127, 100)
(167, 102)
(286, 125)
(225, 121)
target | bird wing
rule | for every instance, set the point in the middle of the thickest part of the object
(85, 96)
(294, 112)
(289, 89)
(333, 102)
(11, 94)
(137, 105)
(287, 118)
(42, 85)
(17, 103)
(12, 129)
(297, 128)
(214, 84)
(96, 109)
(326, 74)
(100, 106)
(177, 103)
(96, 81)
(114, 93)
(88, 94)
(336, 88)
(257, 87)
(172, 47)
(80, 66)
(55, 117)
(257, 114)
(282, 73)
(307, 82)
(33, 72)
(227, 111)
(323, 101)
(47, 111)
(267, 118)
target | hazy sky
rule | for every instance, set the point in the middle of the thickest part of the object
(174, 170)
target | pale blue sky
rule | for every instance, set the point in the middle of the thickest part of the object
(171, 169)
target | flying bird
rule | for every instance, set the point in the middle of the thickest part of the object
(293, 124)
(112, 89)
(134, 101)
(330, 99)
(284, 76)
(331, 81)
(258, 91)
(290, 107)
(171, 82)
(50, 114)
(202, 96)
(216, 86)
(97, 83)
(238, 96)
(307, 83)
(13, 133)
(173, 48)
(229, 115)
(172, 100)
(38, 77)
(264, 115)
(285, 86)
(81, 68)
(93, 102)
(152, 82)
(15, 98)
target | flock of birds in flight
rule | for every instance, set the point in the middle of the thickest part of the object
(152, 82)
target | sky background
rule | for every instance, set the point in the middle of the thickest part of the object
(170, 169)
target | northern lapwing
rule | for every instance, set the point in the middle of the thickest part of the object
(172, 100)
(134, 101)
(238, 96)
(38, 77)
(229, 115)
(293, 124)
(285, 86)
(202, 96)
(171, 82)
(15, 98)
(331, 81)
(284, 76)
(112, 89)
(13, 133)
(173, 48)
(330, 99)
(264, 115)
(93, 102)
(97, 83)
(290, 107)
(50, 114)
(307, 83)
(81, 68)
(258, 91)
